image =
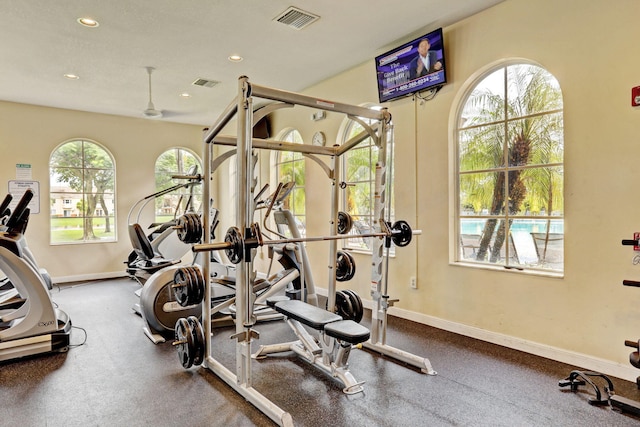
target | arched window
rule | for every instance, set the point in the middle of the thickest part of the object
(510, 150)
(359, 171)
(290, 167)
(82, 193)
(174, 162)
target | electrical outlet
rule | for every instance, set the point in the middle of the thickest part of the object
(413, 284)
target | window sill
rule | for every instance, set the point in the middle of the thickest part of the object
(518, 270)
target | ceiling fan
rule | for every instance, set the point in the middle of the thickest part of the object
(151, 111)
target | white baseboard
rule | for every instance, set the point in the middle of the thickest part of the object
(584, 361)
(87, 277)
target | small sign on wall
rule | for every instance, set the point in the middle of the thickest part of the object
(17, 189)
(23, 171)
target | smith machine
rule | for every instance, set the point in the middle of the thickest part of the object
(337, 336)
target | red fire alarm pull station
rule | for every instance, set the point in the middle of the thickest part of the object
(635, 96)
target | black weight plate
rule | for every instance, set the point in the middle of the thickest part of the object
(199, 285)
(236, 252)
(181, 228)
(184, 337)
(198, 227)
(401, 233)
(198, 340)
(356, 301)
(193, 291)
(181, 289)
(345, 266)
(344, 222)
(190, 229)
(344, 306)
(195, 228)
(342, 266)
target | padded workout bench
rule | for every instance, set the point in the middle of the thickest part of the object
(331, 350)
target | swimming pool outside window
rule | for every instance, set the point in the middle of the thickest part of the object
(510, 187)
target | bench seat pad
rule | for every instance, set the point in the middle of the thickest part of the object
(347, 330)
(308, 314)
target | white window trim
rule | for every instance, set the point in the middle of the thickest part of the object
(457, 106)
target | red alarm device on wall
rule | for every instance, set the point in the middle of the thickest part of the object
(635, 96)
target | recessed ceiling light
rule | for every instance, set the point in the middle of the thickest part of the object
(72, 76)
(235, 58)
(185, 95)
(88, 22)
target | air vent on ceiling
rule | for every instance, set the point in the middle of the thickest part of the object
(205, 83)
(296, 18)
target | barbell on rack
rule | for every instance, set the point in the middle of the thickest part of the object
(236, 245)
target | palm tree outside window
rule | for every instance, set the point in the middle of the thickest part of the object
(510, 187)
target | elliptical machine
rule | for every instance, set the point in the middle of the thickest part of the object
(153, 261)
(43, 328)
(176, 291)
(161, 247)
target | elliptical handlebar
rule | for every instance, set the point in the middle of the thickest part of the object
(197, 178)
(5, 205)
(140, 204)
(17, 220)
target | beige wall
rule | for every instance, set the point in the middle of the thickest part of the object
(588, 47)
(583, 317)
(28, 134)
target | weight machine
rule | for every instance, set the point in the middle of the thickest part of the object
(241, 241)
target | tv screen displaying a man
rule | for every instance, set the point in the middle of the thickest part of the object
(412, 67)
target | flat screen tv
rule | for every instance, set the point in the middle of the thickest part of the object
(413, 67)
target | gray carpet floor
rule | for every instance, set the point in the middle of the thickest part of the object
(117, 377)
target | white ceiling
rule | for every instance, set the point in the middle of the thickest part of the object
(40, 41)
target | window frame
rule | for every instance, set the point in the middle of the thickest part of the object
(64, 193)
(458, 245)
(177, 195)
(294, 136)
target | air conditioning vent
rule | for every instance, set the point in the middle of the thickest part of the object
(296, 18)
(205, 83)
